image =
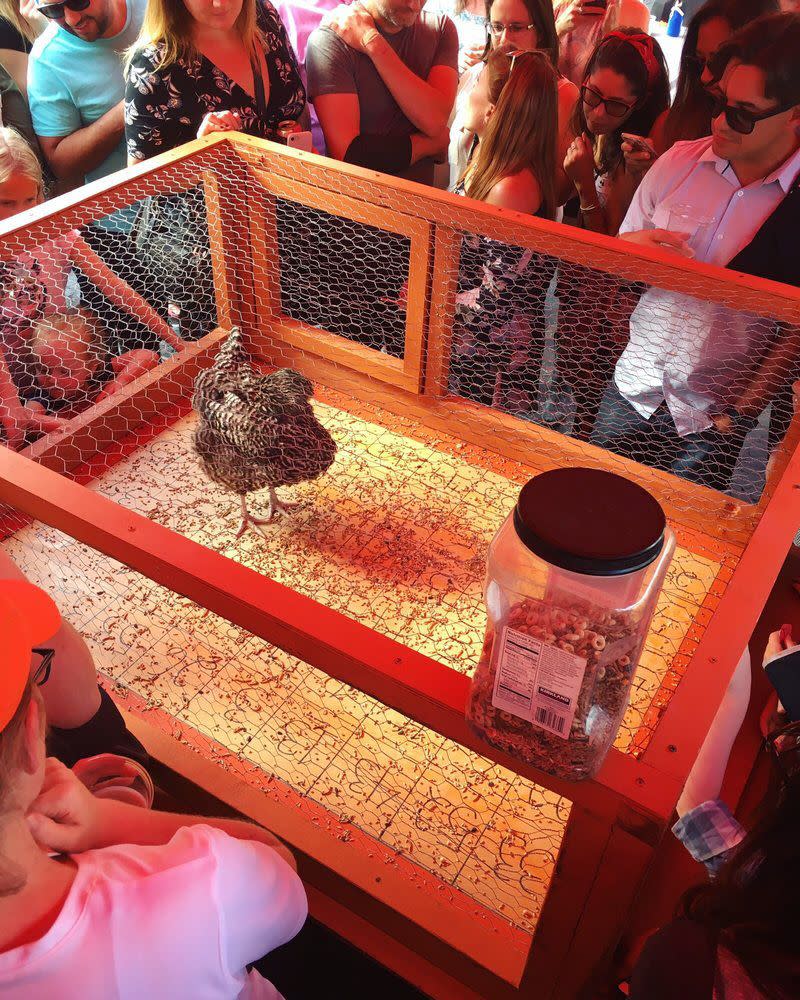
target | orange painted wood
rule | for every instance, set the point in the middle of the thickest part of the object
(444, 282)
(424, 919)
(417, 686)
(604, 253)
(683, 727)
(407, 373)
(169, 385)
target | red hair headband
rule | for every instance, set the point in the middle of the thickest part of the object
(645, 46)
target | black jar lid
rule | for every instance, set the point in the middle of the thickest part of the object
(589, 521)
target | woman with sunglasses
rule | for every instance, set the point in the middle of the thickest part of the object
(690, 115)
(500, 328)
(625, 88)
(513, 26)
(736, 936)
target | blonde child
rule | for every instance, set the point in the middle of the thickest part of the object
(71, 365)
(41, 283)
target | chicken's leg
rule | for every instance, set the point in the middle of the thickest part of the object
(248, 519)
(277, 506)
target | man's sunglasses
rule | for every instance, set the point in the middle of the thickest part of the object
(593, 99)
(42, 672)
(55, 11)
(742, 121)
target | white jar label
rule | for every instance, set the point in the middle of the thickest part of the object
(537, 682)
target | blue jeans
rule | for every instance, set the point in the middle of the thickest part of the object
(707, 458)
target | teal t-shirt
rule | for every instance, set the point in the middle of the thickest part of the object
(72, 83)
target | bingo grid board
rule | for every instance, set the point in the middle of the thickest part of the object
(394, 535)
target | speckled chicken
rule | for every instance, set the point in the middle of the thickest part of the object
(257, 431)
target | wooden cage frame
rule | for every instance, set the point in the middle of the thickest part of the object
(617, 819)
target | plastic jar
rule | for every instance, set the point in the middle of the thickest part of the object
(573, 576)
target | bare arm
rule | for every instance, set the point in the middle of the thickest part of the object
(120, 293)
(340, 118)
(70, 695)
(783, 355)
(71, 157)
(519, 192)
(16, 65)
(67, 817)
(426, 103)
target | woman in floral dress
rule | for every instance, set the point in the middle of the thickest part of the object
(200, 68)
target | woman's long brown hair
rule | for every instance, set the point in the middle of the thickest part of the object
(167, 25)
(522, 132)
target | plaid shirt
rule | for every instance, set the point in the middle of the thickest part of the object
(709, 832)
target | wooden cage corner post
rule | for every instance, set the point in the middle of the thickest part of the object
(228, 190)
(444, 282)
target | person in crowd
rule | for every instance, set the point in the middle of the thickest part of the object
(194, 71)
(735, 936)
(72, 367)
(695, 376)
(469, 17)
(499, 341)
(75, 86)
(83, 721)
(301, 18)
(382, 75)
(514, 26)
(18, 31)
(99, 897)
(42, 282)
(17, 35)
(690, 115)
(625, 88)
(580, 24)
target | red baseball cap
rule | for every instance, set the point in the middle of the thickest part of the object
(28, 617)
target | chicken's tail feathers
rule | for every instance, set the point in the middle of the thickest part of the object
(291, 381)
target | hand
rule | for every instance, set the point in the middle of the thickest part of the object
(354, 25)
(127, 368)
(468, 57)
(65, 816)
(660, 239)
(219, 121)
(778, 642)
(723, 422)
(567, 19)
(423, 145)
(637, 161)
(579, 165)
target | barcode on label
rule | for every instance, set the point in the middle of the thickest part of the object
(550, 720)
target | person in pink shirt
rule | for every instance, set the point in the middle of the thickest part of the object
(99, 898)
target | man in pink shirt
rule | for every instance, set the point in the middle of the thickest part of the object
(102, 899)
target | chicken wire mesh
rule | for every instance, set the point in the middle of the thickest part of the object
(394, 531)
(451, 818)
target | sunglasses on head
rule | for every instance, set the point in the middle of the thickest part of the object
(55, 11)
(743, 121)
(593, 99)
(41, 672)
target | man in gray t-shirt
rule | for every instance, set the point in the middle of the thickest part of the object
(382, 75)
